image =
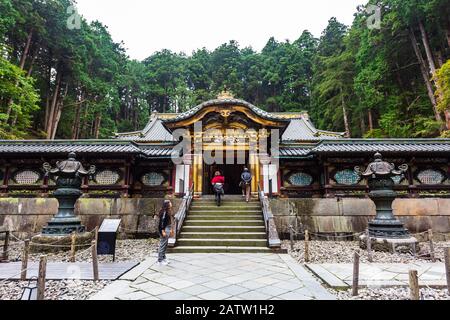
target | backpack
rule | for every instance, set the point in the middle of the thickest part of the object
(246, 177)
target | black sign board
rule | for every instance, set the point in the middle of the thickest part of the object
(107, 236)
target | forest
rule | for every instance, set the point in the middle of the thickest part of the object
(60, 82)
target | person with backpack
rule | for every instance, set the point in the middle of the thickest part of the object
(218, 183)
(246, 180)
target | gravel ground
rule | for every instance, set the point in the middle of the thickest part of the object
(391, 294)
(126, 250)
(343, 251)
(55, 290)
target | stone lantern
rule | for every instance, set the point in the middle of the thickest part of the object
(379, 174)
(68, 175)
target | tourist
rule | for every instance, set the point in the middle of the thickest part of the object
(218, 183)
(165, 230)
(246, 179)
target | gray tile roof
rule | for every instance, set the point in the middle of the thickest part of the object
(294, 152)
(230, 101)
(58, 147)
(154, 131)
(384, 146)
(302, 129)
(156, 151)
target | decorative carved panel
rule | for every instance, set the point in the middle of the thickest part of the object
(301, 179)
(27, 177)
(347, 177)
(153, 179)
(107, 177)
(431, 177)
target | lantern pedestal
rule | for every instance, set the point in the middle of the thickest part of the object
(385, 224)
(404, 245)
(66, 222)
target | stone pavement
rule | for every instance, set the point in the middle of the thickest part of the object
(380, 274)
(217, 276)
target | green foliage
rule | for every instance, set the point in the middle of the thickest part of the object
(354, 78)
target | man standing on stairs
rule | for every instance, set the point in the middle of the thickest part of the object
(246, 180)
(166, 230)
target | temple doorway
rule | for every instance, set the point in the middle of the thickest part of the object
(232, 173)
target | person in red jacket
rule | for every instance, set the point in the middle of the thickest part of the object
(218, 183)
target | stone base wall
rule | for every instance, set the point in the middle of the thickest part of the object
(348, 215)
(29, 216)
(345, 215)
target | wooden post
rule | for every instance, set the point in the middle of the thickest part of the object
(26, 250)
(447, 266)
(414, 285)
(5, 247)
(430, 239)
(355, 283)
(369, 246)
(94, 260)
(41, 278)
(291, 236)
(96, 234)
(73, 247)
(306, 246)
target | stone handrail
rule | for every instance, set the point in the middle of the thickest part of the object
(181, 215)
(271, 229)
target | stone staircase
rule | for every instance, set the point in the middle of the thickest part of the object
(234, 227)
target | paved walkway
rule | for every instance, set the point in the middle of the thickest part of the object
(380, 274)
(217, 277)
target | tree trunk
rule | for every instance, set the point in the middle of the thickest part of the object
(344, 111)
(53, 105)
(98, 119)
(76, 122)
(363, 124)
(23, 59)
(425, 74)
(58, 112)
(429, 53)
(370, 119)
(30, 69)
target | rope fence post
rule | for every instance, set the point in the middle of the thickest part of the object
(447, 266)
(414, 285)
(94, 260)
(306, 246)
(41, 278)
(5, 247)
(430, 239)
(26, 250)
(73, 247)
(291, 236)
(96, 234)
(355, 282)
(369, 246)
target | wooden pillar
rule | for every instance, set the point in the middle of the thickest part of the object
(198, 174)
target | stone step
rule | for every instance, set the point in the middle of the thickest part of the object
(226, 228)
(224, 207)
(230, 212)
(226, 202)
(225, 217)
(222, 242)
(218, 249)
(244, 223)
(222, 235)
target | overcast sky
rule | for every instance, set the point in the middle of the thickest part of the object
(147, 26)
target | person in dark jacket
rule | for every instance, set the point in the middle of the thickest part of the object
(165, 231)
(246, 180)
